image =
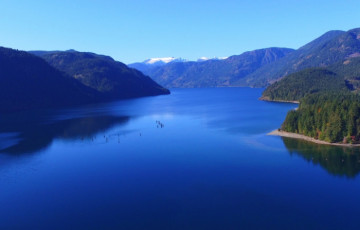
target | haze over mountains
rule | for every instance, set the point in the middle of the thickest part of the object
(262, 67)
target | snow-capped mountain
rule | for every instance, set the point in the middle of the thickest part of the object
(213, 72)
(214, 58)
(166, 60)
(162, 61)
(153, 63)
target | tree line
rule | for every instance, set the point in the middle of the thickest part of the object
(331, 116)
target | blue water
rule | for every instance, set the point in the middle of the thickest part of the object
(196, 159)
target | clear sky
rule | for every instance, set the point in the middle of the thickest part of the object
(134, 30)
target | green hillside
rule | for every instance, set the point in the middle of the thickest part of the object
(342, 76)
(111, 78)
(28, 82)
(350, 70)
(329, 104)
(297, 85)
(333, 117)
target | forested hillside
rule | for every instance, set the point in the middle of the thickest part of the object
(333, 117)
(297, 85)
(111, 78)
(342, 76)
(28, 82)
(350, 70)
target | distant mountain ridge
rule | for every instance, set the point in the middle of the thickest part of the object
(166, 60)
(214, 72)
(330, 48)
(207, 59)
(162, 61)
(149, 64)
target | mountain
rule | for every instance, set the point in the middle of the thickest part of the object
(329, 101)
(297, 85)
(250, 69)
(152, 63)
(337, 77)
(149, 65)
(43, 52)
(330, 48)
(162, 61)
(350, 70)
(28, 82)
(214, 72)
(113, 79)
(207, 59)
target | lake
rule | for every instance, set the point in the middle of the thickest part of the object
(195, 159)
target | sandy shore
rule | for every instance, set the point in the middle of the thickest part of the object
(268, 99)
(306, 138)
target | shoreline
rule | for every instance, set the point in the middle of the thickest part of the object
(282, 101)
(306, 138)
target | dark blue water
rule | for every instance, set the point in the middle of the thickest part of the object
(196, 159)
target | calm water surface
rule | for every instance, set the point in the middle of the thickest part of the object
(196, 159)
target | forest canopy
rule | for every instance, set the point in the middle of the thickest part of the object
(332, 117)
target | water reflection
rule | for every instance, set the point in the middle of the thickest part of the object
(339, 161)
(36, 135)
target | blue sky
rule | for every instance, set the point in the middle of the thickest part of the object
(135, 30)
